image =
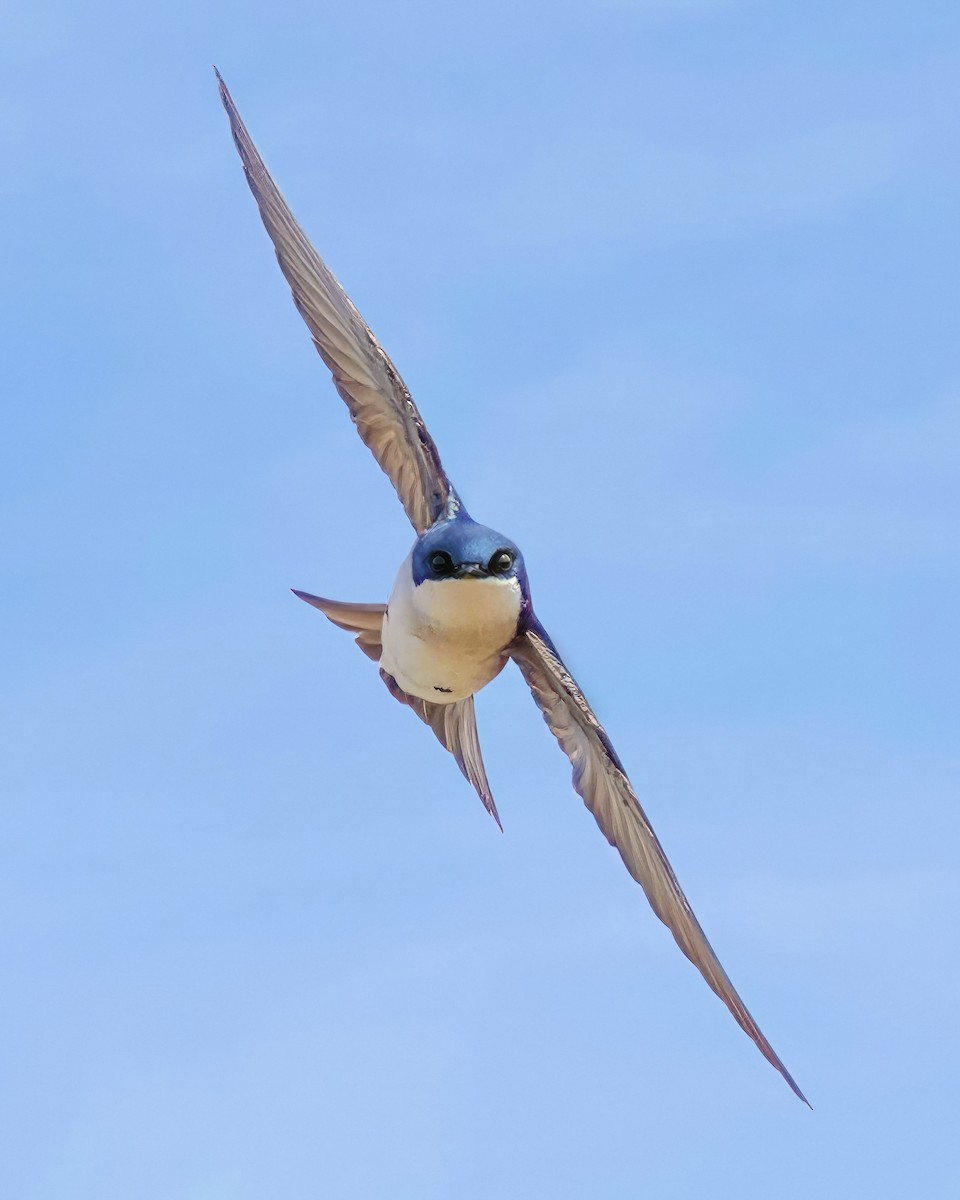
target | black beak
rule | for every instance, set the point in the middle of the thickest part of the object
(471, 570)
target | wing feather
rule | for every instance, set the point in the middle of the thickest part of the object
(599, 778)
(378, 400)
(455, 725)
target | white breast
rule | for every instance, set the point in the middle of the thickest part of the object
(445, 639)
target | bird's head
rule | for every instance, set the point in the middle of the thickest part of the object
(459, 548)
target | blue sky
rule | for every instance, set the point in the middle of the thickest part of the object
(675, 285)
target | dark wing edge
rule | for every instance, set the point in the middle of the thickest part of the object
(380, 404)
(602, 783)
(455, 724)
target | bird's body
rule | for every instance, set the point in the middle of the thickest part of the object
(445, 639)
(460, 606)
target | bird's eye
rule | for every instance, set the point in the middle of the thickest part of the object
(441, 563)
(501, 562)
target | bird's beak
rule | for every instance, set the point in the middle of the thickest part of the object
(471, 570)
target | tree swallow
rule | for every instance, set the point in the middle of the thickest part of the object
(460, 606)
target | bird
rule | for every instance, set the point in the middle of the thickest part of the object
(460, 605)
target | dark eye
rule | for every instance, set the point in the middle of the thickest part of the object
(441, 563)
(501, 562)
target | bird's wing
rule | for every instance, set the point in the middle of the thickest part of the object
(380, 405)
(456, 727)
(599, 778)
(454, 724)
(365, 620)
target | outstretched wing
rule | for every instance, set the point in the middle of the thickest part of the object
(380, 405)
(454, 724)
(599, 778)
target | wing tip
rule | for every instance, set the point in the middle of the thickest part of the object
(309, 598)
(314, 601)
(778, 1066)
(796, 1091)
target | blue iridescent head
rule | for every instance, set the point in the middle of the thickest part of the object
(459, 548)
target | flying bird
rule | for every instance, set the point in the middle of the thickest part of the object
(460, 606)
